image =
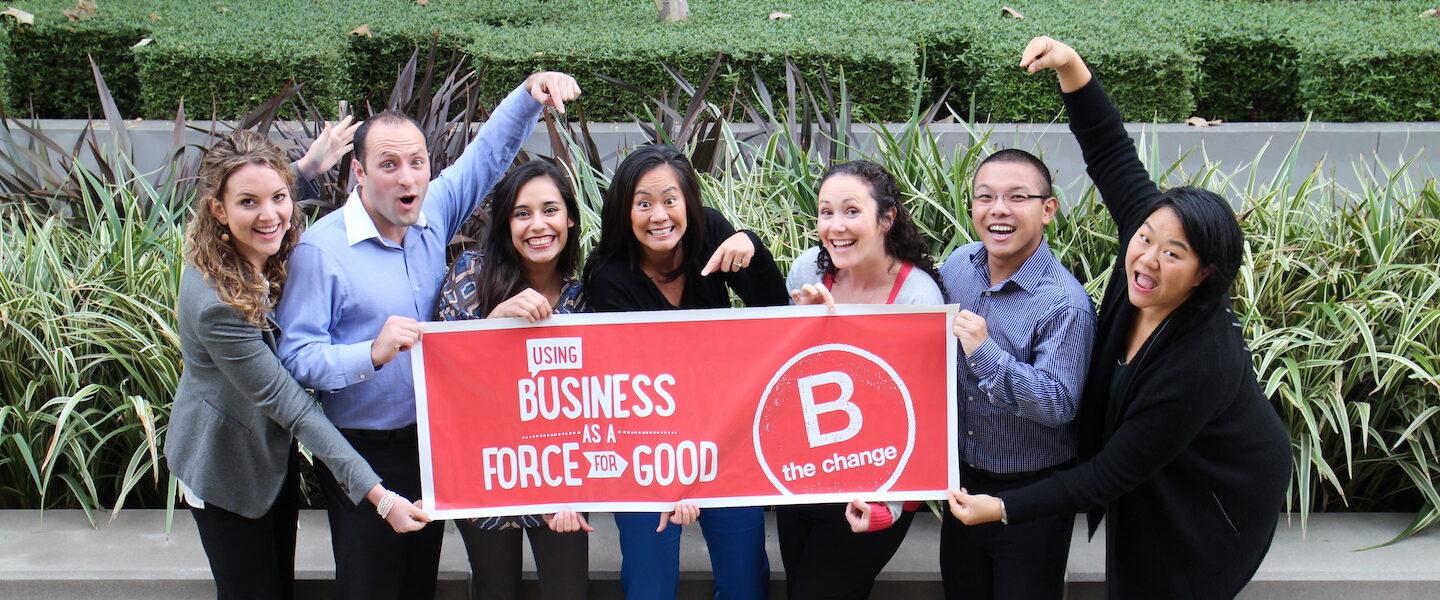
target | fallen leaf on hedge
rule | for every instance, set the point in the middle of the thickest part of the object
(1006, 11)
(1430, 13)
(21, 16)
(780, 15)
(142, 43)
(1201, 122)
(84, 10)
(153, 17)
(362, 30)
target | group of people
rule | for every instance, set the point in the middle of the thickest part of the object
(1148, 414)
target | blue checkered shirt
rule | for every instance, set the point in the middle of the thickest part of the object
(1019, 391)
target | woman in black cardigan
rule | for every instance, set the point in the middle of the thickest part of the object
(661, 249)
(1186, 459)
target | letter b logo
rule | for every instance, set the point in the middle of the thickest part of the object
(806, 386)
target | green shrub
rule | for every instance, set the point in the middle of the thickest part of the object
(51, 71)
(7, 58)
(1249, 68)
(1166, 60)
(1148, 68)
(631, 46)
(1383, 65)
(229, 78)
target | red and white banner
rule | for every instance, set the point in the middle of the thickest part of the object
(727, 407)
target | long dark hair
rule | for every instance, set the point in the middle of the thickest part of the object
(903, 241)
(617, 237)
(1214, 234)
(501, 276)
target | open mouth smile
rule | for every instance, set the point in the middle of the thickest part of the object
(1145, 283)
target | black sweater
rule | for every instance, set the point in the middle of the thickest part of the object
(1189, 460)
(618, 284)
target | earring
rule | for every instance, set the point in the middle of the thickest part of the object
(225, 236)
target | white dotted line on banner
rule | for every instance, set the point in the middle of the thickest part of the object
(548, 435)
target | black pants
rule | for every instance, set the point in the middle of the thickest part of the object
(371, 560)
(824, 559)
(1022, 560)
(253, 558)
(562, 561)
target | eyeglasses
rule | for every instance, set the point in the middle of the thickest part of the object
(1009, 199)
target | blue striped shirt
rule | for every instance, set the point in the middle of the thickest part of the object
(1019, 390)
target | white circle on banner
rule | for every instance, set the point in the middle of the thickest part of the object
(791, 426)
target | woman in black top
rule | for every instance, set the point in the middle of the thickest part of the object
(661, 249)
(1185, 457)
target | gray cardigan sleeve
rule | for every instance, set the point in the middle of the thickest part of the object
(253, 369)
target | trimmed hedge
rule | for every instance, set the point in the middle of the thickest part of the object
(880, 78)
(1364, 71)
(6, 59)
(50, 67)
(1163, 60)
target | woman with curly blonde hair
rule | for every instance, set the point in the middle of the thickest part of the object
(237, 412)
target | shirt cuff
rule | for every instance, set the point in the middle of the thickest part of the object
(986, 359)
(528, 103)
(880, 516)
(355, 360)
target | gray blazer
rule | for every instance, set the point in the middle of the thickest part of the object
(237, 409)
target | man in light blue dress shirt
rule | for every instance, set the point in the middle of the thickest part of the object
(360, 281)
(1026, 327)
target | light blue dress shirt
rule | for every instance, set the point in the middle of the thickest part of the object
(345, 280)
(1020, 389)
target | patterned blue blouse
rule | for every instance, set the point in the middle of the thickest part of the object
(460, 301)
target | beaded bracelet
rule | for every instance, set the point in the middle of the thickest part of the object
(386, 503)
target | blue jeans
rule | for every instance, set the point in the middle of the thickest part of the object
(650, 562)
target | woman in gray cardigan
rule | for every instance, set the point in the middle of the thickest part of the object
(237, 412)
(870, 252)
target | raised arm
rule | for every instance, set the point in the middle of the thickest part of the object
(1110, 155)
(465, 183)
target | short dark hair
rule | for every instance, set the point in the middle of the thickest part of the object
(617, 239)
(903, 241)
(1015, 155)
(1214, 234)
(388, 116)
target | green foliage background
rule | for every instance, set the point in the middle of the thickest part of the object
(1334, 60)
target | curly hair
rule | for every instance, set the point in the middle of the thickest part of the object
(903, 241)
(217, 258)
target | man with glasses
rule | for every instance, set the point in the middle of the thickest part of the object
(1025, 328)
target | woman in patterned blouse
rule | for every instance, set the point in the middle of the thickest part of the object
(524, 268)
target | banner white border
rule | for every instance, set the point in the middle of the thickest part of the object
(427, 477)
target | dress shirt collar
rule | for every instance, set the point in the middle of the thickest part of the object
(358, 225)
(1027, 277)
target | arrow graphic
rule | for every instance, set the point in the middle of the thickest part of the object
(606, 464)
